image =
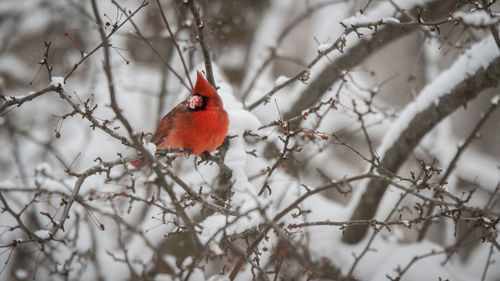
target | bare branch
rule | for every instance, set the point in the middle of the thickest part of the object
(201, 39)
(419, 125)
(18, 101)
(453, 162)
(186, 71)
(102, 44)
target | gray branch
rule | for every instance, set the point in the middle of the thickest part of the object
(352, 57)
(418, 127)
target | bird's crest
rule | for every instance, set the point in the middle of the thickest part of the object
(202, 87)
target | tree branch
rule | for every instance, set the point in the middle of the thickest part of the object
(201, 39)
(411, 135)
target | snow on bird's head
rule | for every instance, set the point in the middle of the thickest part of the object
(194, 102)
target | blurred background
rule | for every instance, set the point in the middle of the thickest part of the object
(255, 46)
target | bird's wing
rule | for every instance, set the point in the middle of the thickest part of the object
(167, 123)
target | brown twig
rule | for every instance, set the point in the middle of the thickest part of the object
(45, 60)
(201, 39)
(453, 162)
(411, 135)
(282, 157)
(488, 262)
(272, 52)
(339, 45)
(186, 71)
(18, 101)
(149, 157)
(86, 56)
(155, 51)
(285, 211)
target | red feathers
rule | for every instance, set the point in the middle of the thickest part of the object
(199, 123)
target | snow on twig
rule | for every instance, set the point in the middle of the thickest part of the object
(479, 56)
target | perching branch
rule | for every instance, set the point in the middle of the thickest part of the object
(149, 157)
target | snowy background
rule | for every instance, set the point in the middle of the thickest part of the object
(327, 101)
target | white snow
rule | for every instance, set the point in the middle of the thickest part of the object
(57, 81)
(151, 147)
(43, 234)
(45, 167)
(163, 277)
(495, 100)
(362, 19)
(478, 56)
(358, 19)
(402, 256)
(187, 261)
(475, 18)
(7, 184)
(281, 79)
(323, 47)
(211, 225)
(21, 274)
(390, 20)
(236, 158)
(218, 278)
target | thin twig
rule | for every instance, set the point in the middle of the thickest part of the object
(201, 39)
(272, 52)
(281, 214)
(149, 157)
(488, 262)
(100, 27)
(339, 45)
(20, 100)
(186, 71)
(139, 33)
(453, 162)
(494, 32)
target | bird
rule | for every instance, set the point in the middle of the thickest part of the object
(199, 123)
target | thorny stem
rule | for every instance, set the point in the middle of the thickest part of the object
(272, 52)
(338, 44)
(374, 234)
(451, 166)
(281, 158)
(101, 31)
(281, 214)
(19, 101)
(155, 51)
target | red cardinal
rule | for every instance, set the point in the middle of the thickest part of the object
(199, 123)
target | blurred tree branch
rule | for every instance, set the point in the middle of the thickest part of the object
(354, 56)
(419, 126)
